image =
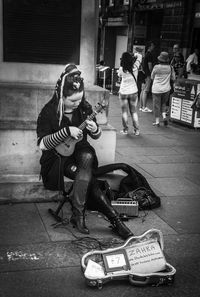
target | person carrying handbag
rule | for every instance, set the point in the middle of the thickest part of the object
(161, 75)
(128, 91)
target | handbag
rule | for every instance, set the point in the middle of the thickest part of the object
(141, 75)
(171, 83)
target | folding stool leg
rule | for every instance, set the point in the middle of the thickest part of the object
(55, 213)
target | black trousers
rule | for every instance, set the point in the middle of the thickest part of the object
(80, 167)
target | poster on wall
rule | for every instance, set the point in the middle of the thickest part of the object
(175, 112)
(187, 112)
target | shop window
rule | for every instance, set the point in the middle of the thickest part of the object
(41, 31)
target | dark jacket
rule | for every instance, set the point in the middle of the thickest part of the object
(48, 123)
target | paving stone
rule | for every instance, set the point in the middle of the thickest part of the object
(21, 224)
(37, 256)
(183, 252)
(185, 158)
(193, 149)
(148, 151)
(171, 170)
(181, 213)
(194, 178)
(134, 159)
(174, 186)
(98, 226)
(149, 140)
(148, 220)
(70, 282)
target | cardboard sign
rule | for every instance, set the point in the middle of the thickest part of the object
(94, 270)
(146, 257)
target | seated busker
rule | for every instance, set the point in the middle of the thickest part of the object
(62, 129)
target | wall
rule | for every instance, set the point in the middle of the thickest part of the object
(27, 72)
(19, 153)
(24, 89)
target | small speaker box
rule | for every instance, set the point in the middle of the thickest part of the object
(128, 207)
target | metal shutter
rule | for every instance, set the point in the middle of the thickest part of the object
(42, 31)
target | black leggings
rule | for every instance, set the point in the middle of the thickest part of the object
(79, 168)
(80, 165)
(96, 199)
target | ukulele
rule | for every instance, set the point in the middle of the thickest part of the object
(66, 148)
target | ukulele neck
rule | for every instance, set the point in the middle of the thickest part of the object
(90, 117)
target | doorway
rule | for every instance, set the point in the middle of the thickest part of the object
(154, 25)
(196, 39)
(121, 46)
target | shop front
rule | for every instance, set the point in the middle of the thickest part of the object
(182, 109)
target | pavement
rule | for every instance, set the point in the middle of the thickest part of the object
(41, 258)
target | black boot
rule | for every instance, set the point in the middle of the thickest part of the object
(78, 221)
(103, 204)
(120, 228)
(78, 201)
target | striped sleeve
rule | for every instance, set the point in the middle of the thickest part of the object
(96, 134)
(49, 142)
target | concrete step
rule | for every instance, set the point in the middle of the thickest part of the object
(24, 188)
(15, 188)
(19, 109)
(19, 153)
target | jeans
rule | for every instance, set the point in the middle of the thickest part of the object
(129, 103)
(159, 103)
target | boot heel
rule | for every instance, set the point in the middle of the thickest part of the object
(79, 223)
(120, 228)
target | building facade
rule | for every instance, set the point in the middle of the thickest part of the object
(38, 38)
(125, 23)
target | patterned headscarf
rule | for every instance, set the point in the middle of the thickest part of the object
(69, 74)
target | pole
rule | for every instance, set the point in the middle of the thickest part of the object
(131, 18)
(112, 81)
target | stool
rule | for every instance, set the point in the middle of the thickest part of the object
(65, 198)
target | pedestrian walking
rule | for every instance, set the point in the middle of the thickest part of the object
(178, 62)
(161, 75)
(192, 61)
(63, 127)
(176, 50)
(178, 65)
(128, 91)
(148, 63)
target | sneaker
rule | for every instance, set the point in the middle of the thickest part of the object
(156, 124)
(165, 122)
(141, 109)
(137, 132)
(146, 109)
(124, 131)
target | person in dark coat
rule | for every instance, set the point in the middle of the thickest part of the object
(62, 129)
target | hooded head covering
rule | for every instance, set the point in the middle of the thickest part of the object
(68, 83)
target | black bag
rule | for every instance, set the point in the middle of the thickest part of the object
(171, 82)
(141, 73)
(141, 76)
(134, 181)
(145, 198)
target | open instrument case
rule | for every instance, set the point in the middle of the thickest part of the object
(140, 260)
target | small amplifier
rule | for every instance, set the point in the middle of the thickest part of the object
(126, 206)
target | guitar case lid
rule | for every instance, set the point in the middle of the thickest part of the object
(140, 260)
